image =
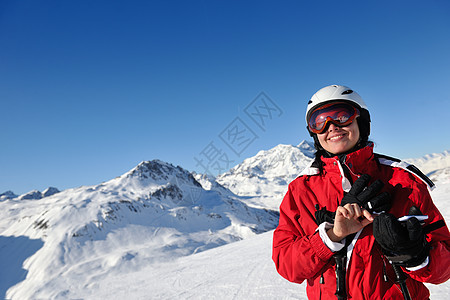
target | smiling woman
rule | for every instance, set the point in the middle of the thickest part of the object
(330, 117)
(346, 189)
(337, 139)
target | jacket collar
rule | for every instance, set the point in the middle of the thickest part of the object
(360, 161)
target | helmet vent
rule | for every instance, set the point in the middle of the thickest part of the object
(310, 101)
(347, 92)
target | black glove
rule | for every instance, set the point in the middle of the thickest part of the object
(403, 243)
(324, 215)
(367, 197)
(364, 197)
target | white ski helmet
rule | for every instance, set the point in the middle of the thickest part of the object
(333, 93)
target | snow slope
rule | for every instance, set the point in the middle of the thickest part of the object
(241, 270)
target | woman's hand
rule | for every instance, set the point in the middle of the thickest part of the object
(349, 219)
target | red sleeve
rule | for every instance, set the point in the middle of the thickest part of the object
(438, 269)
(297, 255)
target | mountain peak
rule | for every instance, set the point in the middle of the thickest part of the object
(35, 194)
(278, 161)
(49, 191)
(267, 174)
(31, 195)
(155, 169)
(7, 195)
(307, 148)
(160, 171)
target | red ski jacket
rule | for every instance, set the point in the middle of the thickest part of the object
(300, 254)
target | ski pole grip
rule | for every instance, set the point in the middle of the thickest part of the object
(401, 280)
(340, 276)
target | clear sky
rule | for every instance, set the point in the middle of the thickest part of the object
(88, 89)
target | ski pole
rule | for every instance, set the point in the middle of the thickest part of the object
(401, 280)
(340, 260)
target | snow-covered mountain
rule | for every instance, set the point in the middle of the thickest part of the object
(436, 165)
(151, 214)
(7, 195)
(264, 177)
(34, 194)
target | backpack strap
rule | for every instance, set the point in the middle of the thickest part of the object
(398, 163)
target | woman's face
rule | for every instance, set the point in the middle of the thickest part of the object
(338, 140)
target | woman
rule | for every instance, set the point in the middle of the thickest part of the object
(338, 226)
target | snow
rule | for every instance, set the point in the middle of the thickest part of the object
(161, 232)
(241, 270)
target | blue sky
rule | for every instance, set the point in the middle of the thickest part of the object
(88, 89)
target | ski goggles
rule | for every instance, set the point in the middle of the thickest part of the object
(339, 113)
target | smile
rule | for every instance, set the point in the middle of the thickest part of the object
(336, 137)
